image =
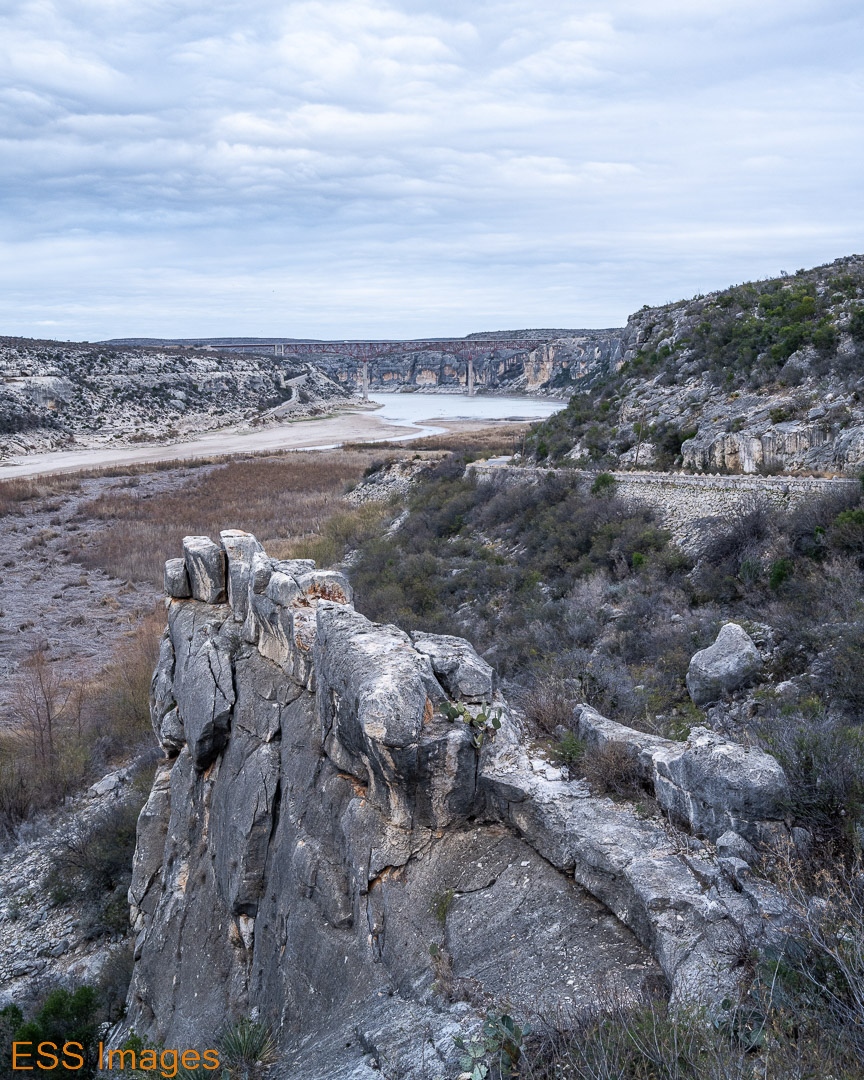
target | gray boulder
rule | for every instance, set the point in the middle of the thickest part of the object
(731, 662)
(712, 785)
(177, 580)
(205, 564)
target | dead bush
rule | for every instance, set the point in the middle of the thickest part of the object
(119, 698)
(69, 730)
(612, 770)
(549, 702)
(827, 955)
(619, 1039)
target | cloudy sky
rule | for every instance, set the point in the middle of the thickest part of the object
(362, 168)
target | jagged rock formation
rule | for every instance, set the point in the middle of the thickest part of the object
(319, 822)
(709, 785)
(52, 392)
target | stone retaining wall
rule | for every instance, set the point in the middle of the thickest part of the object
(688, 504)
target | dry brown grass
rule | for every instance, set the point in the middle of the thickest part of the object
(499, 439)
(15, 494)
(284, 500)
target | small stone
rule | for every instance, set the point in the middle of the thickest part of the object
(106, 785)
(732, 845)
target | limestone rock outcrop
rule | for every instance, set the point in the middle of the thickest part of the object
(320, 821)
(708, 784)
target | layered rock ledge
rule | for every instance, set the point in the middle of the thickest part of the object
(318, 823)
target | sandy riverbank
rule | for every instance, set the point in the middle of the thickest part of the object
(299, 435)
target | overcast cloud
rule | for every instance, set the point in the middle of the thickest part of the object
(362, 168)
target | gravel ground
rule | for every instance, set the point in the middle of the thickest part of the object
(48, 598)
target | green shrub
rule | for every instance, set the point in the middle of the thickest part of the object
(64, 1016)
(93, 867)
(781, 570)
(604, 484)
(569, 750)
(846, 532)
(497, 1052)
(856, 324)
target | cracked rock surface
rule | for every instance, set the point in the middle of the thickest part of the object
(319, 823)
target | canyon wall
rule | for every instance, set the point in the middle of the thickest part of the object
(519, 361)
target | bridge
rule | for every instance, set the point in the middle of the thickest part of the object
(362, 350)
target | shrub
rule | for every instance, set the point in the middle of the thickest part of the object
(549, 703)
(846, 533)
(69, 729)
(93, 868)
(65, 1016)
(604, 484)
(569, 750)
(648, 1040)
(612, 769)
(856, 324)
(781, 570)
(824, 761)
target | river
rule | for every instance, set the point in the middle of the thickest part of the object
(400, 416)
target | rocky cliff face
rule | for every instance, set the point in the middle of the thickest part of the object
(762, 377)
(319, 822)
(52, 392)
(517, 361)
(518, 365)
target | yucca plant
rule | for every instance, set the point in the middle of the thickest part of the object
(244, 1047)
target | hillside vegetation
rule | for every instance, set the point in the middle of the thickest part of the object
(778, 362)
